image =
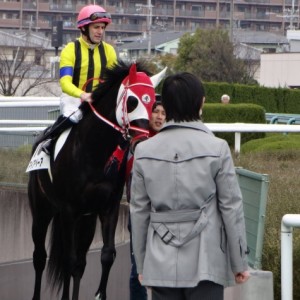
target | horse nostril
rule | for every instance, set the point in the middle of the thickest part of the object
(132, 103)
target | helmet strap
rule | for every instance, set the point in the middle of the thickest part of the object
(85, 31)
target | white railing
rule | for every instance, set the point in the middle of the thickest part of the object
(288, 222)
(27, 122)
(28, 101)
(237, 128)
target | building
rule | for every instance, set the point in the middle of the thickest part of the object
(280, 70)
(159, 43)
(134, 17)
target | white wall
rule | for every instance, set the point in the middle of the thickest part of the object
(280, 70)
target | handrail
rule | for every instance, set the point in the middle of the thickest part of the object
(27, 122)
(237, 128)
(288, 222)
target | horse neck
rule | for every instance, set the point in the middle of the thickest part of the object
(93, 133)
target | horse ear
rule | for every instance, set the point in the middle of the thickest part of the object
(156, 79)
(132, 73)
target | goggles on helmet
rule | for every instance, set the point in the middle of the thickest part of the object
(95, 16)
(99, 15)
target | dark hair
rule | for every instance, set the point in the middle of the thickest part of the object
(182, 97)
(157, 101)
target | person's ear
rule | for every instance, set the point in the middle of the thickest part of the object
(200, 111)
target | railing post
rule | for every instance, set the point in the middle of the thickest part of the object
(288, 222)
(237, 143)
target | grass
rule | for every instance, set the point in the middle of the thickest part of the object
(277, 155)
(13, 165)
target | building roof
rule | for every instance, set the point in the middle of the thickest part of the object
(141, 42)
(258, 37)
(19, 38)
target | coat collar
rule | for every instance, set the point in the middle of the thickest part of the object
(198, 125)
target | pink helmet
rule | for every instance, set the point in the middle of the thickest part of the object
(92, 14)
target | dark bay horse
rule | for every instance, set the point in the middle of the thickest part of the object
(75, 190)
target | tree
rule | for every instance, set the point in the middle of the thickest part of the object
(21, 70)
(209, 54)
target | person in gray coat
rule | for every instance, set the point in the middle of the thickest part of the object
(188, 227)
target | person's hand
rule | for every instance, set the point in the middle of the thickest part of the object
(242, 277)
(140, 278)
(87, 97)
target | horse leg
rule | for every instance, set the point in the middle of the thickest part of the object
(67, 228)
(108, 252)
(66, 287)
(39, 232)
(84, 231)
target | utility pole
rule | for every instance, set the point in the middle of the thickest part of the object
(149, 25)
(231, 20)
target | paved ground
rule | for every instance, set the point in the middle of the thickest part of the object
(17, 279)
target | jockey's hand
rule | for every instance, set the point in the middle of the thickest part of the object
(87, 97)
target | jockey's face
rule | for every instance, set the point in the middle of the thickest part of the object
(158, 118)
(96, 31)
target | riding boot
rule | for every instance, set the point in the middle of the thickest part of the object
(61, 124)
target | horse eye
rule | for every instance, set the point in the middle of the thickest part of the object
(132, 104)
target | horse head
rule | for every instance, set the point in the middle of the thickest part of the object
(134, 101)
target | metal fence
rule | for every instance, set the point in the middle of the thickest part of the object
(26, 112)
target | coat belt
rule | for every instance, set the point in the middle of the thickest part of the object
(159, 221)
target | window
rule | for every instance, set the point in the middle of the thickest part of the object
(38, 55)
(18, 54)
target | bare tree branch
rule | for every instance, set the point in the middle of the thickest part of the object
(17, 64)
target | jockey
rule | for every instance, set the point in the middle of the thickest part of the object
(82, 63)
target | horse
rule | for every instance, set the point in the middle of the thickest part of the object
(76, 189)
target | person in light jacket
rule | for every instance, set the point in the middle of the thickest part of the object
(188, 227)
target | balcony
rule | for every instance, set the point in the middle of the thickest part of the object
(29, 6)
(14, 23)
(210, 14)
(43, 24)
(11, 6)
(45, 7)
(257, 1)
(63, 8)
(134, 28)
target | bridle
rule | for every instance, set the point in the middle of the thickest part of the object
(122, 100)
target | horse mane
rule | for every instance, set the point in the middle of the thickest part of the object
(115, 75)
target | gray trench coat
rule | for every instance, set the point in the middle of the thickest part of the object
(186, 209)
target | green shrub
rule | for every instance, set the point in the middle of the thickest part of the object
(234, 113)
(273, 143)
(274, 100)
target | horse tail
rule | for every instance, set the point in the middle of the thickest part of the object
(56, 265)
